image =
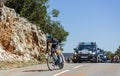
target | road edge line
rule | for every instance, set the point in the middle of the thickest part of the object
(61, 72)
(78, 66)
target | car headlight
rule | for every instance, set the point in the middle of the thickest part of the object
(105, 57)
(90, 52)
(75, 53)
(94, 53)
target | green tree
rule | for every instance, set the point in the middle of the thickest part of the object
(36, 12)
(55, 13)
(118, 51)
(109, 54)
(59, 32)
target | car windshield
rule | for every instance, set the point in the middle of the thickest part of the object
(89, 47)
(101, 51)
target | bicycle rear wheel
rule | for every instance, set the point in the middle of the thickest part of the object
(50, 62)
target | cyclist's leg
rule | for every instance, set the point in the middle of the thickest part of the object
(58, 54)
(55, 51)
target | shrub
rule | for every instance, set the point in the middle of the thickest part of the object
(41, 57)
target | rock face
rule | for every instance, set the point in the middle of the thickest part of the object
(19, 39)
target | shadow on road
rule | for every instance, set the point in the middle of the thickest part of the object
(35, 70)
(38, 70)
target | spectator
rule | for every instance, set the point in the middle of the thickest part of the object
(68, 59)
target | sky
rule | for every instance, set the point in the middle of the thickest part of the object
(89, 21)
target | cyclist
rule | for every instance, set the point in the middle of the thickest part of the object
(54, 47)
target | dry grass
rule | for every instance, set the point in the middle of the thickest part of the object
(4, 65)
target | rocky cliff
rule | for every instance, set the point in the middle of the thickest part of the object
(19, 39)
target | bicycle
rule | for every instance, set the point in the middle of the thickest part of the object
(52, 60)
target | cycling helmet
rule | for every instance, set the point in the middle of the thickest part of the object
(49, 36)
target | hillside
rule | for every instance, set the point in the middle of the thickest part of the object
(19, 39)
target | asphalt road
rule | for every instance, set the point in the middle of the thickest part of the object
(79, 69)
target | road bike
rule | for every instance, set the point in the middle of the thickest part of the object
(52, 58)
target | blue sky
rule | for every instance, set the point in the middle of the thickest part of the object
(90, 20)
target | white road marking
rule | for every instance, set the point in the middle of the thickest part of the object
(86, 64)
(78, 66)
(61, 72)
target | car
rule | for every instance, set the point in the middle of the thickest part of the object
(101, 56)
(85, 51)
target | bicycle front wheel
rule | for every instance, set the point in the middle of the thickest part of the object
(50, 62)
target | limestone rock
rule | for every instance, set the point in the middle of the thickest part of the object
(19, 39)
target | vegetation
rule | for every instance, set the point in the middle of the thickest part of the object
(109, 54)
(36, 12)
(41, 57)
(17, 64)
(118, 51)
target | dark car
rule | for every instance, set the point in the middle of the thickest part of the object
(102, 56)
(85, 51)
